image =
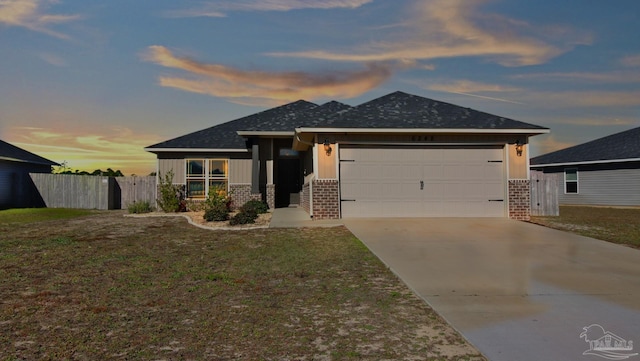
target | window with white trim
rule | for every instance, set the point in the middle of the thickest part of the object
(571, 181)
(203, 174)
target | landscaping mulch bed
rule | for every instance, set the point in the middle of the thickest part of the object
(106, 286)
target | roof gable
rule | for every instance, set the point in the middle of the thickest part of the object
(12, 153)
(623, 145)
(402, 110)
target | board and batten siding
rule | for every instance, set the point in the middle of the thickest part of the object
(614, 187)
(239, 171)
(178, 166)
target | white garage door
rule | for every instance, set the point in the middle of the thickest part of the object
(422, 182)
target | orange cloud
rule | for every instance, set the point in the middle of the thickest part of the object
(455, 28)
(547, 143)
(116, 148)
(29, 14)
(262, 86)
(220, 8)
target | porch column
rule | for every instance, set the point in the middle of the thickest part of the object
(255, 168)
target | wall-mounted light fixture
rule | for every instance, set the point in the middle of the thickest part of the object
(519, 147)
(327, 147)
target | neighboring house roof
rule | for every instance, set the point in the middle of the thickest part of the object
(10, 152)
(407, 111)
(623, 146)
(393, 111)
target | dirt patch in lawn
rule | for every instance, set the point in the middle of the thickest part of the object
(106, 286)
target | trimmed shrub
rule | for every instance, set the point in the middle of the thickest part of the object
(258, 206)
(140, 207)
(216, 213)
(244, 217)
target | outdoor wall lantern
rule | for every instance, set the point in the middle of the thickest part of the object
(327, 147)
(519, 147)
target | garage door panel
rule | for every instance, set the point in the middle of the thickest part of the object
(386, 182)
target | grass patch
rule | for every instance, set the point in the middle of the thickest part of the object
(618, 225)
(30, 215)
(113, 287)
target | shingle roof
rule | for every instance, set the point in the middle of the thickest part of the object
(623, 145)
(402, 110)
(224, 136)
(12, 153)
(394, 111)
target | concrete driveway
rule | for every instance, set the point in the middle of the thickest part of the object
(515, 290)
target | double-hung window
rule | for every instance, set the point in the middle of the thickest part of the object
(205, 173)
(570, 180)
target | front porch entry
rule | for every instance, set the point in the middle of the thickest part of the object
(288, 176)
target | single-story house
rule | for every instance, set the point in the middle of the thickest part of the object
(16, 187)
(399, 155)
(602, 172)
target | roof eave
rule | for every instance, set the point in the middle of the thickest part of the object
(262, 133)
(423, 130)
(51, 163)
(605, 161)
(195, 150)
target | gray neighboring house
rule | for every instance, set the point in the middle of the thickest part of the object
(602, 172)
(399, 155)
(16, 187)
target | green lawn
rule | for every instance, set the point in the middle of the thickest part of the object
(29, 215)
(618, 225)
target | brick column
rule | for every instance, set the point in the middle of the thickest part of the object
(305, 199)
(271, 196)
(326, 199)
(520, 199)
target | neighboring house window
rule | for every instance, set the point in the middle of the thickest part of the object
(205, 173)
(571, 180)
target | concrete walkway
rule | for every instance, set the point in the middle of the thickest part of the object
(295, 217)
(515, 290)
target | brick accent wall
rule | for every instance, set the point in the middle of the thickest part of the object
(241, 194)
(326, 199)
(271, 196)
(305, 199)
(520, 199)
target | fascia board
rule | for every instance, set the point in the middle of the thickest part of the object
(422, 130)
(249, 133)
(586, 162)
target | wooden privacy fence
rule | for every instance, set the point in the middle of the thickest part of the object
(93, 192)
(544, 194)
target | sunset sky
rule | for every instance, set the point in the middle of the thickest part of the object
(92, 83)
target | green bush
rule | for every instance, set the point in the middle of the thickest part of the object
(244, 217)
(216, 213)
(258, 206)
(140, 207)
(169, 200)
(216, 206)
